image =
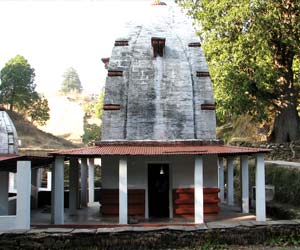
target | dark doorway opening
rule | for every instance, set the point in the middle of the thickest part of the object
(158, 190)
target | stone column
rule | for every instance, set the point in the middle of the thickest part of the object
(260, 188)
(245, 183)
(123, 199)
(73, 185)
(39, 178)
(221, 178)
(52, 192)
(198, 187)
(83, 178)
(4, 177)
(49, 180)
(171, 192)
(23, 194)
(12, 183)
(58, 190)
(230, 184)
(146, 193)
(91, 180)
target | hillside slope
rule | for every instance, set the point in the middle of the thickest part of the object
(66, 117)
(34, 139)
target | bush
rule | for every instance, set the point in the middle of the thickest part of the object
(286, 182)
(92, 132)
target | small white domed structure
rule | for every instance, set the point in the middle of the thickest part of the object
(8, 134)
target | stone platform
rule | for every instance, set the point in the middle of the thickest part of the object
(151, 237)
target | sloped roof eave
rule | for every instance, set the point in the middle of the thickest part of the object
(158, 149)
(8, 162)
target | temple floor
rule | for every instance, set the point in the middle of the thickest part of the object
(91, 216)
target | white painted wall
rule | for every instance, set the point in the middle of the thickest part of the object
(8, 222)
(23, 194)
(110, 172)
(136, 173)
(181, 167)
(22, 218)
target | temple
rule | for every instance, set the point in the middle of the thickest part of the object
(160, 158)
(159, 152)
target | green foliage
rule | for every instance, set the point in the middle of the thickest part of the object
(291, 239)
(241, 128)
(252, 48)
(99, 105)
(93, 108)
(286, 182)
(17, 83)
(92, 132)
(39, 110)
(71, 82)
(17, 90)
(278, 211)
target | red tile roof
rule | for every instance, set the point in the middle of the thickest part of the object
(157, 148)
(4, 157)
(8, 162)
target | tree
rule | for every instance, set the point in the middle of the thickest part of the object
(99, 105)
(92, 131)
(17, 90)
(252, 47)
(39, 110)
(17, 83)
(71, 82)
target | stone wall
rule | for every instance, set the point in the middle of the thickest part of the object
(135, 238)
(279, 151)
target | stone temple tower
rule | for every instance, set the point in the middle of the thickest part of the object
(8, 135)
(158, 85)
(159, 154)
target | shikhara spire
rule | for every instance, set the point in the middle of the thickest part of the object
(158, 85)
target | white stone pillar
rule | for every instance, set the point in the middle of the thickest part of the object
(4, 177)
(73, 185)
(59, 190)
(171, 193)
(91, 180)
(39, 178)
(12, 183)
(52, 192)
(245, 183)
(23, 194)
(146, 194)
(49, 180)
(198, 187)
(83, 178)
(260, 188)
(123, 199)
(230, 183)
(221, 178)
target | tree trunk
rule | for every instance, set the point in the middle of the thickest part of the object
(12, 98)
(286, 125)
(287, 122)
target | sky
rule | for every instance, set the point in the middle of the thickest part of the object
(56, 34)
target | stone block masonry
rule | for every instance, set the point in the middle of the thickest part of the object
(159, 92)
(289, 151)
(167, 237)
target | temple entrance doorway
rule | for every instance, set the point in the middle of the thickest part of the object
(158, 190)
